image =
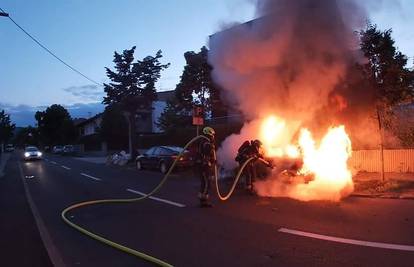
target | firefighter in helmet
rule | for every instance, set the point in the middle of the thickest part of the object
(251, 149)
(205, 161)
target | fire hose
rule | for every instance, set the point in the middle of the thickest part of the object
(130, 200)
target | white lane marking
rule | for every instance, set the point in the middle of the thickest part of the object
(65, 167)
(91, 177)
(157, 198)
(53, 162)
(51, 249)
(45, 159)
(348, 241)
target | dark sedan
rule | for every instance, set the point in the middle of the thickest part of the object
(162, 157)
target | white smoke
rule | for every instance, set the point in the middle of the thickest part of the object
(287, 62)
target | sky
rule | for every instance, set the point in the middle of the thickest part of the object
(85, 34)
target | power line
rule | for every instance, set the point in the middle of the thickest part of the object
(50, 52)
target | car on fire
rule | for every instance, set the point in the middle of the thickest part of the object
(162, 157)
(32, 153)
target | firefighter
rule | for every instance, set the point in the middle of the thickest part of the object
(245, 152)
(248, 150)
(205, 161)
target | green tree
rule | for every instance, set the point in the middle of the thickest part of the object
(6, 127)
(132, 86)
(26, 136)
(388, 76)
(174, 116)
(196, 86)
(55, 126)
(386, 68)
(114, 127)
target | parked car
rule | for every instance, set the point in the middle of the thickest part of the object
(57, 149)
(162, 157)
(9, 148)
(68, 150)
(32, 152)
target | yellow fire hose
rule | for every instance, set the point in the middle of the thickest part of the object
(164, 179)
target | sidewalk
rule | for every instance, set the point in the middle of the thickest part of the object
(395, 185)
(22, 244)
(96, 160)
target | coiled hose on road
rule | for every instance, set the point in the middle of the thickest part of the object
(129, 200)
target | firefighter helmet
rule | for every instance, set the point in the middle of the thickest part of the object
(209, 131)
(257, 143)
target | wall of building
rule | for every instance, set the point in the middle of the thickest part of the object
(91, 127)
(158, 108)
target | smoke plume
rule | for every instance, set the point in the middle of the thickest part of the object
(291, 61)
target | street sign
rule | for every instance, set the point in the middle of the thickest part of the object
(198, 115)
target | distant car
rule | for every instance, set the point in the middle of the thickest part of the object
(32, 152)
(57, 149)
(68, 150)
(9, 148)
(162, 157)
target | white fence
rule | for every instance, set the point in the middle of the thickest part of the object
(395, 160)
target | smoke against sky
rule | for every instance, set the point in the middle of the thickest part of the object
(288, 62)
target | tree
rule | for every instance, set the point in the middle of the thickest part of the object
(386, 68)
(26, 136)
(114, 127)
(56, 126)
(174, 116)
(388, 75)
(6, 127)
(132, 86)
(196, 86)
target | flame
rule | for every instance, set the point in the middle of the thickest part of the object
(274, 133)
(325, 162)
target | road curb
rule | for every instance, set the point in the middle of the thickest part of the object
(381, 196)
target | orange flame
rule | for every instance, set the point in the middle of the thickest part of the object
(325, 161)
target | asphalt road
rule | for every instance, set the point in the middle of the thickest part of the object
(244, 231)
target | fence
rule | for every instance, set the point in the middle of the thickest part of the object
(395, 160)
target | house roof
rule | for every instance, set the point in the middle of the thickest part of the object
(166, 95)
(86, 121)
(76, 121)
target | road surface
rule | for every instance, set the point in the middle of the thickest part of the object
(244, 231)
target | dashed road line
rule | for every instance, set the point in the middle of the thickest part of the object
(53, 162)
(45, 159)
(157, 199)
(348, 241)
(65, 167)
(91, 177)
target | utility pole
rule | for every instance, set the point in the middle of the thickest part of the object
(381, 132)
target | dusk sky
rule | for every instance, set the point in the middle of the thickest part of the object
(86, 33)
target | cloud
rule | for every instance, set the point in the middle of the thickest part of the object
(23, 115)
(86, 93)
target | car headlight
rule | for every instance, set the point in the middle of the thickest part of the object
(39, 154)
(27, 154)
